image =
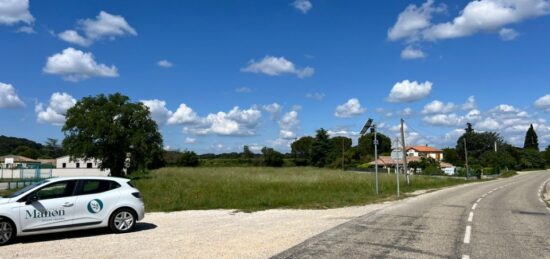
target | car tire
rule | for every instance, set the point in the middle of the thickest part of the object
(7, 231)
(122, 220)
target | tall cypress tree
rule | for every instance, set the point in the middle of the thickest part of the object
(531, 139)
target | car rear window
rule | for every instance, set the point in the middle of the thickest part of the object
(97, 186)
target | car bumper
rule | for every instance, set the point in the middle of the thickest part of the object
(141, 212)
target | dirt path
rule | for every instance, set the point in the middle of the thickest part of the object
(193, 234)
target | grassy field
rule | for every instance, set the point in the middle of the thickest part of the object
(260, 188)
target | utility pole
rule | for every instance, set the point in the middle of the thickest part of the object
(397, 167)
(343, 153)
(496, 147)
(466, 158)
(375, 156)
(405, 171)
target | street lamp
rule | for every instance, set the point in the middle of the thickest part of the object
(371, 125)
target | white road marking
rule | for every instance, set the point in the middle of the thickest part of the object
(467, 234)
(465, 257)
(478, 200)
(471, 216)
(474, 206)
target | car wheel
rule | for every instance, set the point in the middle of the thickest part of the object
(122, 221)
(7, 231)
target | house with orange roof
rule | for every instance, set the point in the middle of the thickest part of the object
(425, 151)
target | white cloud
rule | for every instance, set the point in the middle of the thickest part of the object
(316, 96)
(504, 108)
(487, 15)
(104, 26)
(189, 140)
(445, 120)
(302, 5)
(243, 90)
(55, 112)
(273, 108)
(543, 103)
(288, 124)
(15, 11)
(183, 115)
(275, 66)
(165, 63)
(438, 107)
(470, 104)
(72, 36)
(407, 91)
(412, 20)
(507, 34)
(236, 122)
(158, 110)
(26, 29)
(9, 97)
(411, 52)
(75, 65)
(488, 124)
(349, 109)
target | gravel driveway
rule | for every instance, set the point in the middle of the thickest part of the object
(192, 234)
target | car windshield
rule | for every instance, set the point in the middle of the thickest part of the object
(27, 188)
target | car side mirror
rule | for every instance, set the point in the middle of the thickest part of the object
(31, 198)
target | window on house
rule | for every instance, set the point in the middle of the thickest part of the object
(64, 165)
(77, 165)
(89, 165)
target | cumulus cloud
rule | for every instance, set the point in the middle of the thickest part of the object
(415, 23)
(349, 109)
(445, 120)
(189, 140)
(57, 107)
(273, 108)
(275, 66)
(302, 5)
(543, 103)
(104, 26)
(316, 96)
(158, 110)
(165, 63)
(438, 107)
(470, 104)
(411, 52)
(15, 11)
(288, 124)
(9, 97)
(236, 122)
(407, 91)
(183, 115)
(75, 65)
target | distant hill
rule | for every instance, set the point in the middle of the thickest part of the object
(9, 144)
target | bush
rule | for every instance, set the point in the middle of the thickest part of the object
(432, 170)
(508, 174)
(272, 157)
(188, 158)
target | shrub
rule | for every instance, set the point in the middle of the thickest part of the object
(188, 158)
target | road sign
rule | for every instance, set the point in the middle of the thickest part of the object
(397, 154)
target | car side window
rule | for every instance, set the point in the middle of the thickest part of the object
(56, 190)
(97, 186)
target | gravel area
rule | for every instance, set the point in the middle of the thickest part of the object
(192, 234)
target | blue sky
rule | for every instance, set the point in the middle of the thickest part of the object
(289, 66)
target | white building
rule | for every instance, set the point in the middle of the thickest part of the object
(65, 162)
(425, 151)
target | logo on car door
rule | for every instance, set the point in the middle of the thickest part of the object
(95, 206)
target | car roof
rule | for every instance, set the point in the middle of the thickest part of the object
(116, 179)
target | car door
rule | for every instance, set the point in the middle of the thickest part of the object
(95, 199)
(51, 208)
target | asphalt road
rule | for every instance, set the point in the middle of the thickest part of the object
(497, 219)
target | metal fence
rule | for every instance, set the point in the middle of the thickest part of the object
(8, 174)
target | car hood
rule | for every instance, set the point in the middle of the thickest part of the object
(4, 200)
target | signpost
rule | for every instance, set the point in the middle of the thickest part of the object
(364, 130)
(397, 156)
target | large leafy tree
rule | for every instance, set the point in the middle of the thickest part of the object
(320, 148)
(366, 144)
(531, 139)
(547, 155)
(110, 128)
(477, 143)
(301, 150)
(272, 157)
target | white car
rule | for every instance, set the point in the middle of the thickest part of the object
(72, 203)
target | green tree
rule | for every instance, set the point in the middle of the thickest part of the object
(26, 152)
(497, 160)
(531, 139)
(320, 148)
(52, 148)
(366, 144)
(110, 128)
(301, 151)
(188, 158)
(247, 154)
(451, 156)
(338, 145)
(272, 157)
(531, 159)
(477, 143)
